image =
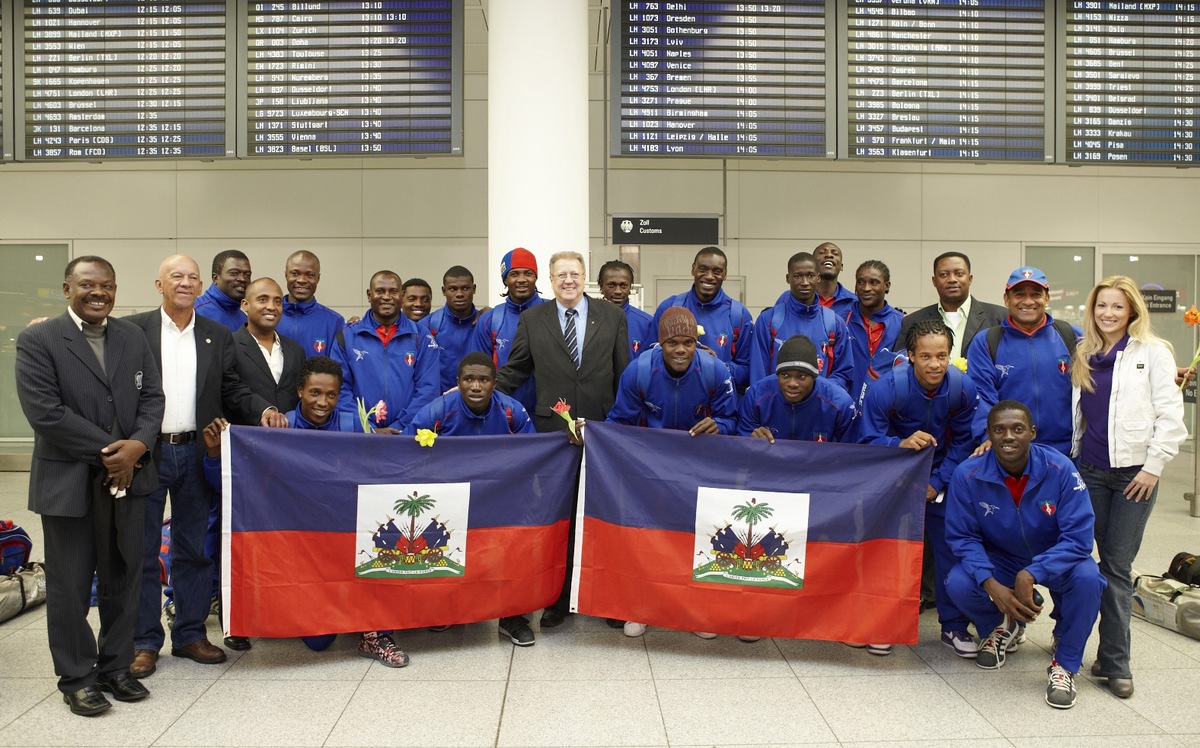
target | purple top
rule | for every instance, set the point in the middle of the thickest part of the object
(1094, 449)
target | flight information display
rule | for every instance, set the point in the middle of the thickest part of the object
(946, 79)
(720, 79)
(354, 78)
(1131, 83)
(131, 79)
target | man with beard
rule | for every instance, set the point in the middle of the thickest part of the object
(305, 320)
(222, 302)
(497, 327)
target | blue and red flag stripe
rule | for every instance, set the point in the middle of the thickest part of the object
(290, 517)
(637, 550)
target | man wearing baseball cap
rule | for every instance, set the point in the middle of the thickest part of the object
(496, 328)
(1027, 358)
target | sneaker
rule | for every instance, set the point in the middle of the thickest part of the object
(750, 639)
(517, 629)
(704, 635)
(214, 606)
(1018, 640)
(169, 611)
(1060, 691)
(992, 650)
(633, 628)
(381, 648)
(962, 644)
(882, 650)
(440, 629)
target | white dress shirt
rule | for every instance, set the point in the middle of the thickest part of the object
(178, 375)
(274, 357)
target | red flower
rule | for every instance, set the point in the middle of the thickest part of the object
(562, 408)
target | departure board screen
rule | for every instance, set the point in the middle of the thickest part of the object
(129, 79)
(354, 78)
(720, 79)
(1131, 83)
(947, 79)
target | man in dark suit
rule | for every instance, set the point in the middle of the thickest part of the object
(196, 357)
(964, 316)
(266, 361)
(89, 386)
(962, 313)
(575, 349)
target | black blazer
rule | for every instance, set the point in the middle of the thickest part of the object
(983, 316)
(72, 405)
(219, 390)
(540, 350)
(252, 368)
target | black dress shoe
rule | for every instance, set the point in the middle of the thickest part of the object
(237, 643)
(87, 701)
(123, 687)
(553, 616)
(615, 623)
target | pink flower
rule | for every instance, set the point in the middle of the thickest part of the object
(562, 408)
(380, 411)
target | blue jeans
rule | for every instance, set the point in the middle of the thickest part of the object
(1120, 523)
(180, 473)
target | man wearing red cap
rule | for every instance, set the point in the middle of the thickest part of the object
(496, 328)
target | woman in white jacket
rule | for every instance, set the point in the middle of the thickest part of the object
(1128, 414)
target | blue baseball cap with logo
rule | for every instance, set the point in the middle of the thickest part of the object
(1027, 275)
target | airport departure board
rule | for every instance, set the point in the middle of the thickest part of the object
(720, 79)
(946, 79)
(1131, 83)
(131, 79)
(354, 78)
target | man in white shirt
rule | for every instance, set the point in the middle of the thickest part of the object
(197, 359)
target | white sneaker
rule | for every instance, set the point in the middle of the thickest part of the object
(704, 635)
(633, 628)
(882, 650)
(962, 644)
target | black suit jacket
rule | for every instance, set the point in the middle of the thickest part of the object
(72, 405)
(983, 316)
(540, 350)
(219, 390)
(252, 368)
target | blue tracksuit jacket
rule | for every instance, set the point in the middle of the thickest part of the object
(1032, 369)
(643, 330)
(880, 423)
(494, 333)
(826, 415)
(1047, 535)
(404, 374)
(453, 337)
(823, 327)
(311, 324)
(448, 415)
(843, 299)
(218, 307)
(728, 332)
(674, 403)
(859, 339)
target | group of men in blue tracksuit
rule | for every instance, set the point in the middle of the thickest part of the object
(820, 364)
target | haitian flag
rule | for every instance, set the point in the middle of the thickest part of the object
(739, 536)
(333, 532)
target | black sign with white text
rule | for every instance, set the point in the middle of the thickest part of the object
(659, 230)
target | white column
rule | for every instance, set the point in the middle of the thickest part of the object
(537, 132)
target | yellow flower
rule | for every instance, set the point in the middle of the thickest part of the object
(961, 363)
(699, 330)
(425, 437)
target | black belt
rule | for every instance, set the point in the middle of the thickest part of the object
(183, 437)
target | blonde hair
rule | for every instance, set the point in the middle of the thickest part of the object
(1093, 341)
(566, 255)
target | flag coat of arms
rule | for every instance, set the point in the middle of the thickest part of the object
(742, 537)
(335, 533)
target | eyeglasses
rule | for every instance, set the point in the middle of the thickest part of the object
(567, 276)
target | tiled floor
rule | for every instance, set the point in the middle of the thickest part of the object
(585, 684)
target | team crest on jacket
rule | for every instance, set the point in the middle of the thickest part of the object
(721, 340)
(410, 357)
(1063, 365)
(636, 345)
(319, 345)
(751, 538)
(1048, 508)
(820, 436)
(406, 530)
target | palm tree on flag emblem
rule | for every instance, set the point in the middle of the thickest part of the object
(752, 513)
